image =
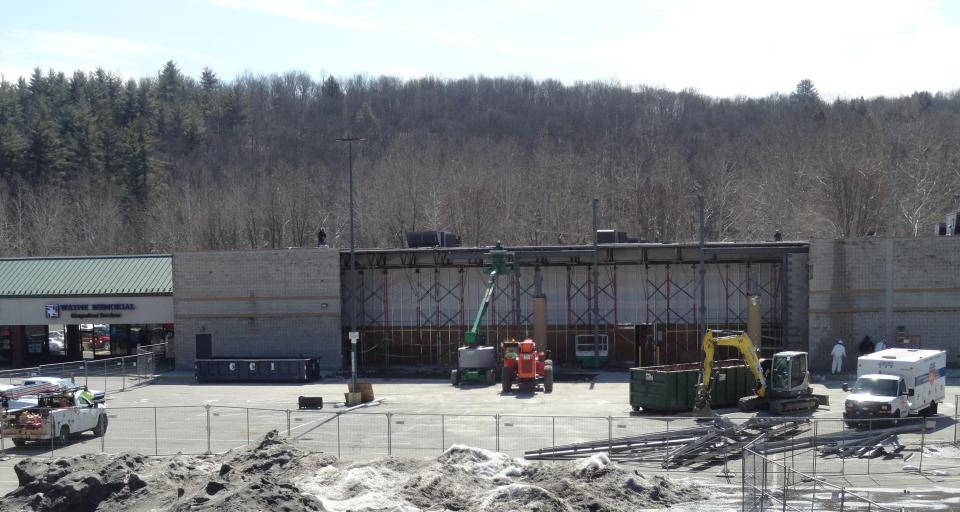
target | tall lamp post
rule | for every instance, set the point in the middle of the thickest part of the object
(354, 335)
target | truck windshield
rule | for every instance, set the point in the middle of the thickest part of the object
(878, 387)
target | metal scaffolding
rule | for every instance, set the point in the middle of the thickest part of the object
(414, 304)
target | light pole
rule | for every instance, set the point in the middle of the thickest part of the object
(354, 335)
(702, 328)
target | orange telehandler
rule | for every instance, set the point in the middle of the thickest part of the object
(523, 364)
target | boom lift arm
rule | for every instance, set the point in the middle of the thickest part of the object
(498, 266)
(472, 336)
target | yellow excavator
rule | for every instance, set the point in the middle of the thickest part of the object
(783, 382)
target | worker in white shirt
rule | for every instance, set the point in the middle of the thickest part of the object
(838, 353)
(882, 344)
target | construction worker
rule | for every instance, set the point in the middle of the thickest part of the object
(838, 353)
(882, 344)
(87, 394)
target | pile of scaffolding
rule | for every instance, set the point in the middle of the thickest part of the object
(719, 439)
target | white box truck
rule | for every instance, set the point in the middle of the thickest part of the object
(895, 383)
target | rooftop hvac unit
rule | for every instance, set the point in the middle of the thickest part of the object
(612, 236)
(953, 226)
(432, 239)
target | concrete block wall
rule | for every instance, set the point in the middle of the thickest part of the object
(883, 287)
(282, 303)
(795, 311)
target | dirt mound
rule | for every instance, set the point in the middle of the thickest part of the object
(276, 475)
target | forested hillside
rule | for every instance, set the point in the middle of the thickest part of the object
(94, 163)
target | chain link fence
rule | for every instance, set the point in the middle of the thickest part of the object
(771, 485)
(361, 435)
(111, 375)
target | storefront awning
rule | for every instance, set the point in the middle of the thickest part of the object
(87, 276)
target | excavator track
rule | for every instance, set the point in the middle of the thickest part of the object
(788, 405)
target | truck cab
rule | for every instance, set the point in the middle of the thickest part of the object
(877, 396)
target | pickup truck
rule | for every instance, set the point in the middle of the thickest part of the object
(65, 384)
(56, 417)
(895, 383)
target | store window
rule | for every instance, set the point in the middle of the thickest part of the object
(6, 345)
(95, 340)
(56, 340)
(36, 340)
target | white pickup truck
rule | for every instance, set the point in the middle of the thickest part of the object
(56, 417)
(895, 383)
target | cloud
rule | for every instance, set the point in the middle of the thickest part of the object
(23, 50)
(313, 12)
(737, 47)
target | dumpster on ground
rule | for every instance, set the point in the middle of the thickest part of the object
(673, 387)
(256, 370)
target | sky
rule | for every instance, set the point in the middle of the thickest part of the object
(725, 48)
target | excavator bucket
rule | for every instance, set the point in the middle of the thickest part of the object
(701, 404)
(703, 411)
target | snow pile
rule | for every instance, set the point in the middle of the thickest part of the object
(592, 464)
(275, 474)
(511, 497)
(361, 487)
(480, 462)
(945, 450)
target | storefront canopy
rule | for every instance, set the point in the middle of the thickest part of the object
(87, 276)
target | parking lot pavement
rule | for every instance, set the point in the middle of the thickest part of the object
(170, 416)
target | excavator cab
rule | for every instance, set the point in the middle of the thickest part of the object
(789, 376)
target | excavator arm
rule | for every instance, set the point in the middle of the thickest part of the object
(740, 340)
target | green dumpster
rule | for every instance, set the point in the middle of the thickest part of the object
(673, 387)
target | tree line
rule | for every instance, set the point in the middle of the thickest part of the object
(91, 163)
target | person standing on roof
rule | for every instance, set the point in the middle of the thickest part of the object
(838, 353)
(882, 344)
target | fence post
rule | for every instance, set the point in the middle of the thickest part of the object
(923, 438)
(103, 439)
(53, 433)
(743, 479)
(443, 433)
(248, 424)
(496, 419)
(104, 376)
(843, 497)
(123, 371)
(288, 422)
(815, 423)
(389, 434)
(156, 433)
(86, 375)
(553, 431)
(813, 495)
(956, 416)
(208, 428)
(338, 436)
(783, 497)
(610, 433)
(843, 439)
(763, 491)
(3, 448)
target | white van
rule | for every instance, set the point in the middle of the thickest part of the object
(895, 383)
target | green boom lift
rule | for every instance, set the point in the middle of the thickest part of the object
(477, 362)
